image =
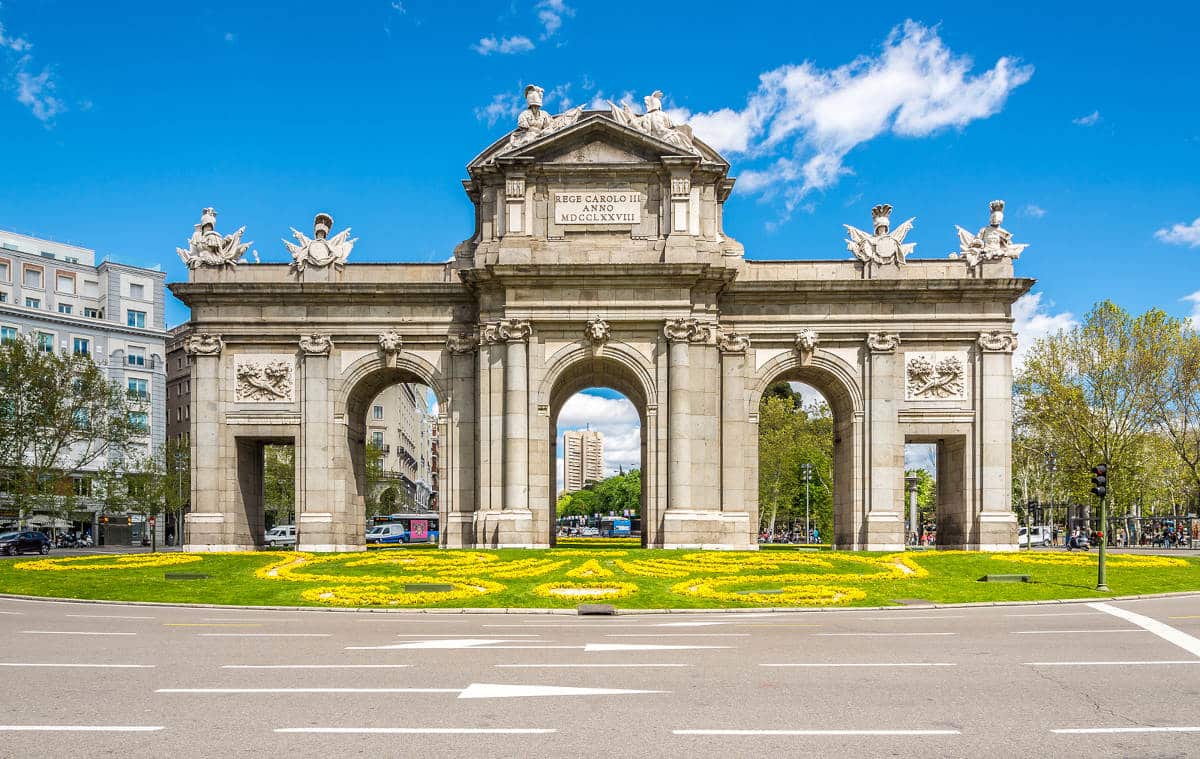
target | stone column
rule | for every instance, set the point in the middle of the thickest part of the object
(679, 414)
(885, 459)
(207, 526)
(324, 519)
(997, 525)
(458, 481)
(735, 427)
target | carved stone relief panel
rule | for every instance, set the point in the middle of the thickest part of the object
(935, 376)
(265, 378)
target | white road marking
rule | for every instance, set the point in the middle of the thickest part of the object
(926, 618)
(585, 666)
(418, 730)
(105, 616)
(1075, 632)
(1057, 614)
(81, 666)
(12, 612)
(1105, 730)
(880, 635)
(451, 643)
(864, 664)
(489, 690)
(263, 635)
(247, 619)
(306, 690)
(1103, 663)
(677, 635)
(462, 635)
(72, 632)
(689, 624)
(80, 728)
(1166, 632)
(816, 732)
(598, 647)
(314, 666)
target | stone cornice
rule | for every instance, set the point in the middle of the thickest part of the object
(908, 290)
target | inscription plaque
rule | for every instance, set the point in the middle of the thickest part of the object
(623, 207)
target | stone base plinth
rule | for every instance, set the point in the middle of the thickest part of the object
(319, 531)
(213, 547)
(511, 528)
(885, 532)
(997, 532)
(457, 531)
(707, 530)
(208, 532)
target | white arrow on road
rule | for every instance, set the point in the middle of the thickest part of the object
(488, 690)
(489, 643)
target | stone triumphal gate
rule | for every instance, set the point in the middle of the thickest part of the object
(599, 258)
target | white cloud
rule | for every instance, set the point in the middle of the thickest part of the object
(34, 91)
(15, 44)
(615, 418)
(1181, 234)
(503, 105)
(1034, 321)
(1033, 211)
(504, 45)
(230, 37)
(807, 119)
(1089, 120)
(550, 15)
(1194, 299)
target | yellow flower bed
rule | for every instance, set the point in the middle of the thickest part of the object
(93, 563)
(386, 595)
(590, 568)
(1089, 560)
(577, 590)
(793, 589)
(589, 552)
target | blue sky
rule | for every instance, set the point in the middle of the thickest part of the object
(118, 127)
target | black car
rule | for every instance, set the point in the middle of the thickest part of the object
(13, 543)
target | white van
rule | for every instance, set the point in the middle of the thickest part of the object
(387, 533)
(1042, 536)
(281, 535)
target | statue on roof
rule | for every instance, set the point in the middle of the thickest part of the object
(322, 250)
(884, 246)
(992, 243)
(654, 122)
(207, 247)
(534, 123)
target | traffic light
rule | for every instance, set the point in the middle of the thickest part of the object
(1100, 480)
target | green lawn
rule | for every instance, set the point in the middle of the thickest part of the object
(646, 578)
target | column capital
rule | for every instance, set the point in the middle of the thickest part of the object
(688, 330)
(466, 341)
(998, 342)
(733, 342)
(883, 342)
(316, 344)
(203, 344)
(505, 331)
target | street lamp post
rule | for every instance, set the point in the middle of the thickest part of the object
(179, 497)
(1052, 467)
(806, 473)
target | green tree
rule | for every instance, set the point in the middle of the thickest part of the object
(376, 475)
(790, 436)
(279, 483)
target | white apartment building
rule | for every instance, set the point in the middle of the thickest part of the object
(400, 424)
(583, 459)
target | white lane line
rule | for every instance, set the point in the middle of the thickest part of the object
(879, 635)
(248, 619)
(314, 666)
(460, 636)
(927, 618)
(104, 616)
(1106, 730)
(863, 664)
(80, 728)
(677, 635)
(598, 647)
(1058, 614)
(72, 632)
(816, 732)
(494, 690)
(449, 643)
(12, 612)
(199, 691)
(418, 730)
(79, 666)
(1104, 663)
(1166, 632)
(689, 624)
(263, 635)
(1076, 632)
(586, 666)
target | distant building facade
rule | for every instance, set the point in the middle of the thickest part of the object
(57, 295)
(179, 385)
(400, 425)
(583, 459)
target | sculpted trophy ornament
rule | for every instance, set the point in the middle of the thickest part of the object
(991, 244)
(316, 344)
(203, 344)
(655, 122)
(597, 331)
(934, 376)
(207, 247)
(269, 381)
(322, 250)
(534, 123)
(884, 247)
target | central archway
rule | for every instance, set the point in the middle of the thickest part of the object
(628, 374)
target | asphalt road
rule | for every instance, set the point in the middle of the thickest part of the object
(132, 681)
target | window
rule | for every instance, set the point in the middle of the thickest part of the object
(5, 272)
(81, 346)
(377, 439)
(137, 292)
(47, 254)
(33, 277)
(45, 342)
(71, 259)
(136, 356)
(3, 297)
(33, 303)
(179, 413)
(140, 420)
(92, 313)
(65, 308)
(135, 318)
(91, 288)
(377, 412)
(138, 388)
(81, 418)
(8, 334)
(65, 283)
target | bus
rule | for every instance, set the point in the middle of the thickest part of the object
(614, 527)
(421, 527)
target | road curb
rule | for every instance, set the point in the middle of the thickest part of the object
(622, 612)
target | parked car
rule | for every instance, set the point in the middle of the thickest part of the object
(14, 543)
(1042, 536)
(281, 535)
(387, 533)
